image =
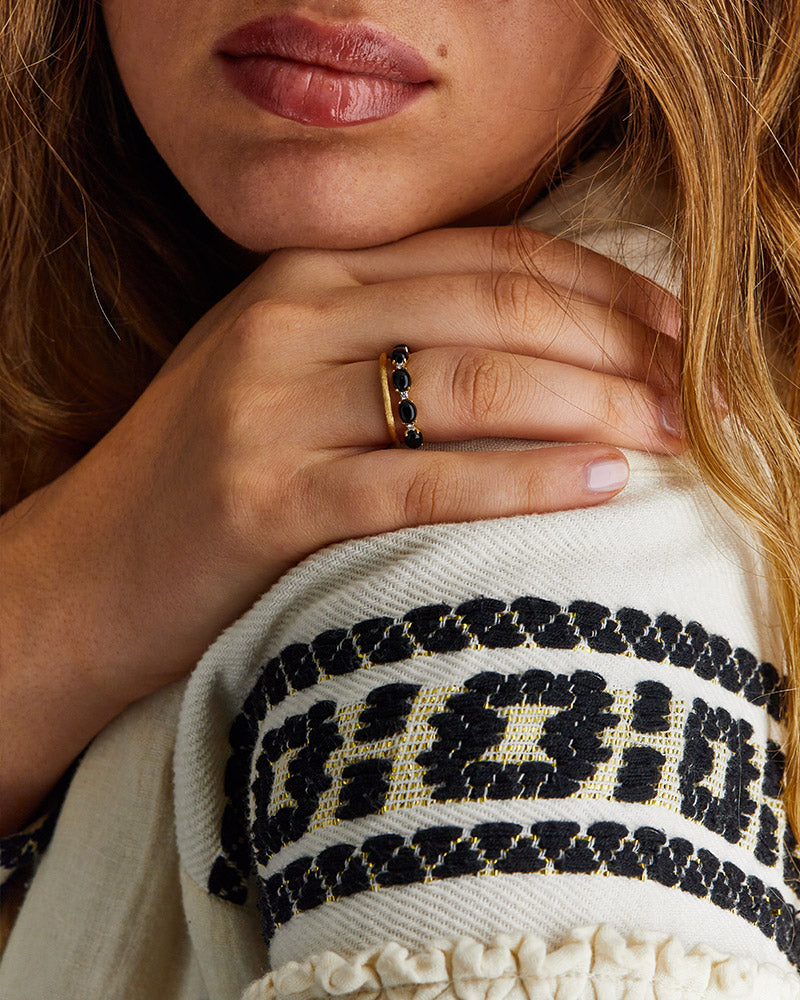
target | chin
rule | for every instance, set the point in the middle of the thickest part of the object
(354, 233)
(279, 225)
(330, 209)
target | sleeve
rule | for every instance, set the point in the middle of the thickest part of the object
(536, 757)
(20, 852)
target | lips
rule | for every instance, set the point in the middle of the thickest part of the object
(323, 75)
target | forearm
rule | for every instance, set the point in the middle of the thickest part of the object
(54, 696)
(101, 603)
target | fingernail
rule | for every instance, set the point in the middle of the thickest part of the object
(606, 474)
(669, 413)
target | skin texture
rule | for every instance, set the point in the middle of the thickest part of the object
(246, 452)
(268, 182)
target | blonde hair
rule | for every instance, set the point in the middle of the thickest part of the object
(106, 262)
(713, 91)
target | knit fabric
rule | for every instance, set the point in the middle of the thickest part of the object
(537, 756)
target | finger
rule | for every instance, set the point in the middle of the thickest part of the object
(496, 249)
(506, 312)
(386, 490)
(460, 395)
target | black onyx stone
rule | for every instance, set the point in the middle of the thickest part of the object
(400, 354)
(407, 411)
(401, 380)
(413, 439)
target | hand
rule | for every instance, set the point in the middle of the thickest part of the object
(264, 438)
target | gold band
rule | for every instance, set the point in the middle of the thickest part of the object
(387, 400)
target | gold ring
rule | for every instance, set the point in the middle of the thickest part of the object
(387, 400)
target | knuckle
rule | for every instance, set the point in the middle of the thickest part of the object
(429, 497)
(511, 298)
(612, 406)
(364, 494)
(261, 507)
(238, 500)
(544, 486)
(246, 335)
(249, 326)
(250, 477)
(254, 332)
(481, 384)
(300, 502)
(330, 505)
(516, 245)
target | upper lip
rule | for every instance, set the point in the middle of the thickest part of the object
(349, 48)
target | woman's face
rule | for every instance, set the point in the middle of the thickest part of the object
(348, 123)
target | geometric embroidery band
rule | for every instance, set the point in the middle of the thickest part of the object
(547, 848)
(483, 623)
(527, 622)
(524, 736)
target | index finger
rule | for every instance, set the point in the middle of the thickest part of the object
(520, 248)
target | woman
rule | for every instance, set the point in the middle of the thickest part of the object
(263, 428)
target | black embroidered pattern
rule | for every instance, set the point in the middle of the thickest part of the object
(728, 814)
(24, 849)
(386, 712)
(768, 849)
(483, 623)
(468, 727)
(639, 775)
(315, 736)
(651, 708)
(546, 848)
(476, 754)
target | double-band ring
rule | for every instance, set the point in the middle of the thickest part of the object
(406, 411)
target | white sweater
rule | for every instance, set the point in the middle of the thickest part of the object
(535, 757)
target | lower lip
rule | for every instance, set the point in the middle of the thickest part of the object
(315, 95)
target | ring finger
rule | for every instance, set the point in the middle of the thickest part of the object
(462, 394)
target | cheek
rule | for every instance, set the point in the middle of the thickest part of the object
(155, 46)
(547, 60)
(520, 99)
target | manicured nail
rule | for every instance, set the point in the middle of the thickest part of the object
(605, 475)
(670, 415)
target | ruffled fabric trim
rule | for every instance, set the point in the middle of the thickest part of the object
(594, 963)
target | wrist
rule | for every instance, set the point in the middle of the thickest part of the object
(54, 699)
